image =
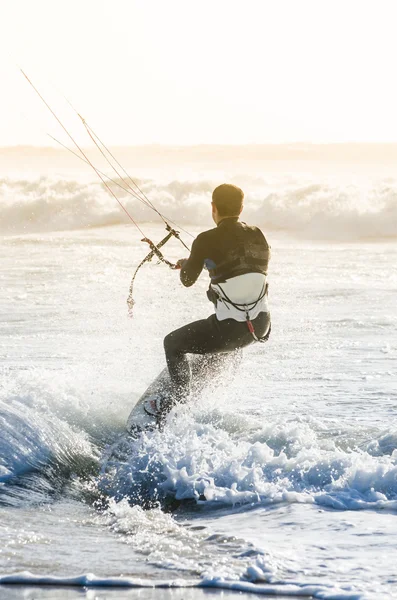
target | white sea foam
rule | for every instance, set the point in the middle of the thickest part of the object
(300, 207)
(197, 461)
(281, 589)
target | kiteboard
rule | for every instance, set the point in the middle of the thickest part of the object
(206, 370)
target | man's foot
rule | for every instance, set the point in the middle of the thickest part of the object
(157, 406)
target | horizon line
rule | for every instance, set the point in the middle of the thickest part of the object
(206, 145)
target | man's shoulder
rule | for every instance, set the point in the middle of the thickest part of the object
(247, 226)
(204, 236)
(254, 228)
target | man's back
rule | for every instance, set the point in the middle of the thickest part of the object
(228, 250)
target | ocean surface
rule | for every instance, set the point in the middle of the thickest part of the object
(282, 479)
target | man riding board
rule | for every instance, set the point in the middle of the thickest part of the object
(236, 256)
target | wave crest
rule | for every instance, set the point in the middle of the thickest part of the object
(312, 210)
(201, 462)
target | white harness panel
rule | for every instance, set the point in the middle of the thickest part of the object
(243, 289)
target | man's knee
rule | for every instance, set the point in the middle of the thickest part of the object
(171, 345)
(167, 343)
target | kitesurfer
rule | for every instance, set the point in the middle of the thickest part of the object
(236, 256)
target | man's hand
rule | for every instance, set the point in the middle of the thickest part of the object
(180, 263)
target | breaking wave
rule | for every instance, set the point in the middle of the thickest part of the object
(237, 464)
(42, 442)
(216, 457)
(311, 210)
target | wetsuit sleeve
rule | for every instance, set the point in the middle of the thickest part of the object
(194, 265)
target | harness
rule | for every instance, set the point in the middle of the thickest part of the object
(246, 308)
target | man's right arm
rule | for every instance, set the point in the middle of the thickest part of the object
(194, 264)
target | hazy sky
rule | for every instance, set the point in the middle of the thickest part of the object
(201, 71)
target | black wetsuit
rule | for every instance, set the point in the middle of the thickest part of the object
(231, 249)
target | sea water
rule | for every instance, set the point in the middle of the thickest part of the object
(281, 480)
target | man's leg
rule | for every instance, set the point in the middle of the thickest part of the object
(199, 337)
(207, 336)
